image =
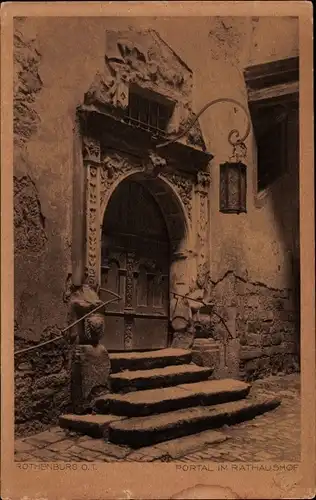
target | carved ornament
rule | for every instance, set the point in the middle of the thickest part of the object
(183, 187)
(112, 168)
(154, 165)
(94, 329)
(100, 181)
(92, 224)
(91, 149)
(129, 289)
(203, 221)
(128, 333)
(141, 58)
(203, 181)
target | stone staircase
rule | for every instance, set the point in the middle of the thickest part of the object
(161, 395)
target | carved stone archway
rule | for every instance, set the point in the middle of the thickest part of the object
(115, 148)
(175, 194)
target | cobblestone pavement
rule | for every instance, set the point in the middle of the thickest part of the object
(274, 436)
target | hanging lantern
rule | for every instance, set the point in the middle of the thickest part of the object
(233, 179)
(233, 173)
(233, 187)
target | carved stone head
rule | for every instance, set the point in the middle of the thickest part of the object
(154, 164)
(94, 329)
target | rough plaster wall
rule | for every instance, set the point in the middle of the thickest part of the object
(42, 208)
(257, 251)
(243, 238)
(273, 38)
(56, 60)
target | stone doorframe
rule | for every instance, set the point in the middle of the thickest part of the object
(183, 200)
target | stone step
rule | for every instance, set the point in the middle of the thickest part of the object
(144, 431)
(149, 359)
(151, 401)
(93, 425)
(129, 380)
(179, 447)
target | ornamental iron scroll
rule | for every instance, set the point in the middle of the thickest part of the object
(234, 138)
(233, 173)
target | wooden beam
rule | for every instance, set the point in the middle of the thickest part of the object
(273, 73)
(286, 91)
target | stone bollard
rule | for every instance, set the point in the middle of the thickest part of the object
(182, 325)
(184, 317)
(90, 368)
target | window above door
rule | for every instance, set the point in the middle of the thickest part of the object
(149, 110)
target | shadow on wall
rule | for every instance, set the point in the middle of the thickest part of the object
(284, 195)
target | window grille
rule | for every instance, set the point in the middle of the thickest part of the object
(148, 114)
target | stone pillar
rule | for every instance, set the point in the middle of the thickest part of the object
(202, 222)
(78, 215)
(92, 160)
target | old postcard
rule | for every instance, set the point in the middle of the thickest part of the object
(158, 326)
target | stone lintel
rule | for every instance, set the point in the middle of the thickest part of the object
(116, 132)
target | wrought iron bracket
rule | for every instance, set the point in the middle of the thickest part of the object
(234, 138)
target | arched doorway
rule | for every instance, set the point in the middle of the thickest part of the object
(135, 263)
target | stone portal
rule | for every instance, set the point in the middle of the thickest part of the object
(147, 208)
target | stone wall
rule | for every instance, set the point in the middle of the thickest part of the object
(266, 323)
(262, 324)
(42, 385)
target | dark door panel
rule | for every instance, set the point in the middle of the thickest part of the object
(135, 265)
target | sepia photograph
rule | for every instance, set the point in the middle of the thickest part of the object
(156, 225)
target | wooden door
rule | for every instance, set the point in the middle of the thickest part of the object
(135, 264)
